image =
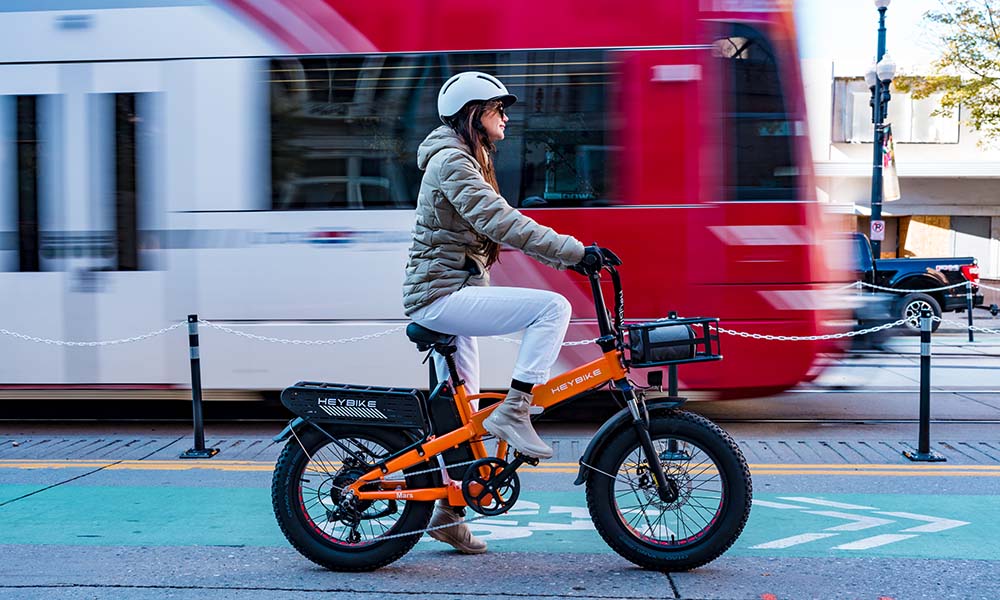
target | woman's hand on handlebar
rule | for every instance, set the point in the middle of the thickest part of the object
(594, 259)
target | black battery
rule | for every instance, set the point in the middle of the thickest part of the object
(444, 419)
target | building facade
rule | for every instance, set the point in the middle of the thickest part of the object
(949, 180)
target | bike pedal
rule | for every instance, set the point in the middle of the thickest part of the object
(524, 458)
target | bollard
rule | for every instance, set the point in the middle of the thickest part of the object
(968, 307)
(923, 453)
(199, 450)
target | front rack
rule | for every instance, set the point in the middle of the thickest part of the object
(673, 341)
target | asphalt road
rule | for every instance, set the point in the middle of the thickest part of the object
(107, 510)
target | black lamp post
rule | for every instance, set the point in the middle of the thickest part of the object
(878, 78)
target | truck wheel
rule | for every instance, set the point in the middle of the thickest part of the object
(912, 304)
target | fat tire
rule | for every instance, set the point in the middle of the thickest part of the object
(737, 493)
(293, 523)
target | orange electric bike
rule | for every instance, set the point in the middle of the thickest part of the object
(667, 489)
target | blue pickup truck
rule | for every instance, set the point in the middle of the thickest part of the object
(919, 274)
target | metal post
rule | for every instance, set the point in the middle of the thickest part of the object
(923, 452)
(877, 153)
(199, 450)
(672, 371)
(968, 307)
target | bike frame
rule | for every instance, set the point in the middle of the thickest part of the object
(611, 367)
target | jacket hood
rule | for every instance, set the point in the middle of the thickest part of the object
(440, 139)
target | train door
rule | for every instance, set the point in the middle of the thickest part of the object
(79, 203)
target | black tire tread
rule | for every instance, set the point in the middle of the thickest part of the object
(279, 502)
(648, 559)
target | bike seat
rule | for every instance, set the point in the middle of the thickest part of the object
(425, 338)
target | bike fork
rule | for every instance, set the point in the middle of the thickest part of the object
(665, 488)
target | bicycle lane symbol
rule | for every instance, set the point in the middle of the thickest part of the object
(867, 526)
(528, 518)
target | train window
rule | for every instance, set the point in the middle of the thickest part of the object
(759, 129)
(27, 158)
(345, 130)
(126, 217)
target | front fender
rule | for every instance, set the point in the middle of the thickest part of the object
(619, 421)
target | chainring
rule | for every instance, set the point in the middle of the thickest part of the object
(491, 486)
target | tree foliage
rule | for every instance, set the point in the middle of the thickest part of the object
(968, 71)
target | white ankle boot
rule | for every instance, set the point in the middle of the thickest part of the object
(511, 422)
(458, 537)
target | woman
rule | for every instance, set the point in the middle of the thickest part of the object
(461, 221)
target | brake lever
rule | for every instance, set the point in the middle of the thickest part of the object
(611, 258)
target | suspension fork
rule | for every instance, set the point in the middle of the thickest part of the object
(665, 489)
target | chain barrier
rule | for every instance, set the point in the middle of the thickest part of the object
(516, 341)
(989, 287)
(923, 291)
(361, 338)
(811, 338)
(264, 338)
(962, 325)
(137, 338)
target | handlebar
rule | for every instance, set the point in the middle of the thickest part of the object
(595, 260)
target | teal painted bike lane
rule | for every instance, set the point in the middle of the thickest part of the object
(782, 525)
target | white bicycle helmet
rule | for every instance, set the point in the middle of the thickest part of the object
(467, 87)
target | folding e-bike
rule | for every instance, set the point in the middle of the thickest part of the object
(667, 489)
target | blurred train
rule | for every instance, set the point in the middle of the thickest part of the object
(253, 162)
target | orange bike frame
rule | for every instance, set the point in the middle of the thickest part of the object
(563, 387)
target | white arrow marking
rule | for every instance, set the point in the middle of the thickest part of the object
(795, 540)
(574, 526)
(828, 503)
(934, 524)
(757, 502)
(575, 512)
(860, 522)
(874, 541)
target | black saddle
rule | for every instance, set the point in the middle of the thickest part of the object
(425, 339)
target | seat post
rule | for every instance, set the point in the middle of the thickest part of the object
(449, 357)
(433, 375)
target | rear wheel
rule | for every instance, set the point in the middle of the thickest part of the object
(306, 493)
(708, 475)
(911, 305)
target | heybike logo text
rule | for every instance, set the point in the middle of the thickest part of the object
(575, 382)
(349, 402)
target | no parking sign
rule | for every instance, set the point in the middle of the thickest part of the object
(878, 230)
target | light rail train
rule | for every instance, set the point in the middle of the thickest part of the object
(253, 163)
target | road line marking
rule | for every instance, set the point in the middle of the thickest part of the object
(770, 504)
(934, 524)
(828, 503)
(795, 540)
(901, 470)
(860, 522)
(874, 541)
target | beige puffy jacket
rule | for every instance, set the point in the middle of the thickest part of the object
(455, 207)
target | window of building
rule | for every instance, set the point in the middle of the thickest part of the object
(345, 130)
(912, 120)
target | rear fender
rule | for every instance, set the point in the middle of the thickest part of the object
(619, 421)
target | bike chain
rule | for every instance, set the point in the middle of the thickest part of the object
(431, 470)
(478, 517)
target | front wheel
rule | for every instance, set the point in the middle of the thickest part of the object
(713, 493)
(312, 512)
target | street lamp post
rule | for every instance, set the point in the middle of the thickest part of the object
(878, 78)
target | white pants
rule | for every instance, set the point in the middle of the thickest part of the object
(478, 311)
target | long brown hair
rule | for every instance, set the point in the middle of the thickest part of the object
(468, 125)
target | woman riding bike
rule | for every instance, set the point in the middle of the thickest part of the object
(461, 221)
